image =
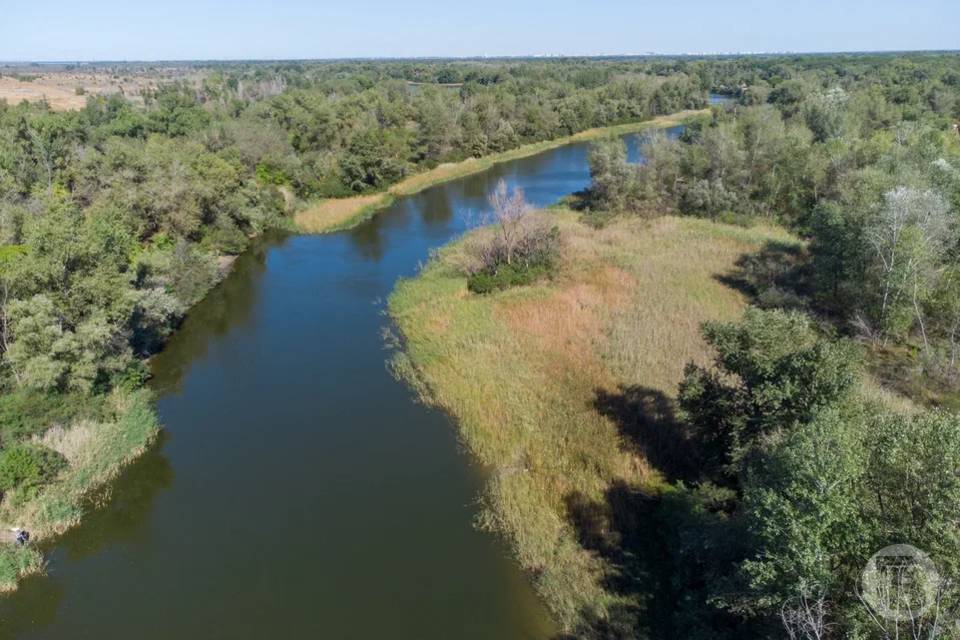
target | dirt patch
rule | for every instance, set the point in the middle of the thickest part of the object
(66, 87)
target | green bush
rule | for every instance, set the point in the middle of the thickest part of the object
(330, 186)
(28, 465)
(27, 412)
(506, 276)
(269, 174)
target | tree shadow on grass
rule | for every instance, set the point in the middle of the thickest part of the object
(664, 556)
(630, 530)
(776, 276)
(647, 420)
(623, 531)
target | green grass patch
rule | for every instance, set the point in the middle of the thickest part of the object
(17, 562)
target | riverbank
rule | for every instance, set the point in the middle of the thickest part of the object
(336, 214)
(95, 450)
(565, 389)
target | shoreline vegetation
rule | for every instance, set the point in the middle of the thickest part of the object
(661, 396)
(97, 450)
(547, 382)
(336, 214)
(117, 217)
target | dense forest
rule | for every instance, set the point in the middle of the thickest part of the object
(802, 471)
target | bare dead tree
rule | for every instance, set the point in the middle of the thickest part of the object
(893, 609)
(508, 210)
(805, 616)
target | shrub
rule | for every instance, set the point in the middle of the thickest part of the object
(517, 248)
(270, 174)
(505, 277)
(26, 412)
(28, 465)
(532, 255)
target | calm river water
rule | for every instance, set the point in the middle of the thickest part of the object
(298, 490)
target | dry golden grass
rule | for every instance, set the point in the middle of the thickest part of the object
(522, 372)
(670, 120)
(334, 214)
(61, 98)
(58, 85)
(72, 442)
(59, 89)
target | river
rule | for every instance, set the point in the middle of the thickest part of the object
(298, 490)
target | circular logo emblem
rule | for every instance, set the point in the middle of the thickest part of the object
(900, 583)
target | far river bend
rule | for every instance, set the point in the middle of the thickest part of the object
(298, 490)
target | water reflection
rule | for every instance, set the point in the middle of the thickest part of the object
(34, 607)
(120, 519)
(368, 241)
(437, 208)
(227, 307)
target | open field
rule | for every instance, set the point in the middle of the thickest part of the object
(335, 214)
(66, 87)
(540, 378)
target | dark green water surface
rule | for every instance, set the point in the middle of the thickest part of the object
(298, 490)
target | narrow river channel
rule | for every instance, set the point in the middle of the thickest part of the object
(298, 490)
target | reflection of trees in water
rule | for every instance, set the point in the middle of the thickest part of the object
(124, 516)
(477, 187)
(436, 207)
(228, 305)
(367, 238)
(533, 170)
(33, 607)
(122, 519)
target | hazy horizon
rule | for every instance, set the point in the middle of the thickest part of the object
(212, 30)
(519, 56)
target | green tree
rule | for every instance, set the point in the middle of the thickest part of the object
(612, 179)
(802, 504)
(771, 373)
(906, 241)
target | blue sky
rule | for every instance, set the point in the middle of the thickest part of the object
(208, 29)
